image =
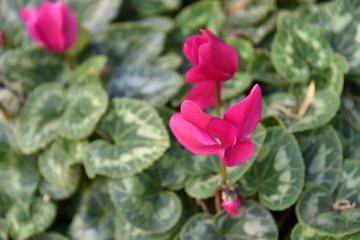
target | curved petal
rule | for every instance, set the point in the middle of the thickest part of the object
(219, 55)
(206, 73)
(49, 25)
(203, 94)
(30, 18)
(238, 153)
(217, 127)
(191, 137)
(191, 48)
(70, 29)
(232, 207)
(246, 114)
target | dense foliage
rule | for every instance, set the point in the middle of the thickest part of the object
(85, 147)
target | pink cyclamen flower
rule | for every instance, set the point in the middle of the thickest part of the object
(212, 60)
(232, 206)
(53, 25)
(1, 37)
(203, 134)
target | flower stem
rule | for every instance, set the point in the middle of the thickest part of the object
(223, 167)
(69, 61)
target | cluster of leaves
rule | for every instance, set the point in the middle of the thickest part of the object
(85, 151)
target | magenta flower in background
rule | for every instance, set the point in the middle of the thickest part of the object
(1, 37)
(53, 25)
(203, 134)
(232, 206)
(212, 60)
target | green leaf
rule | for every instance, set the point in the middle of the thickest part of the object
(159, 22)
(315, 209)
(93, 66)
(84, 106)
(57, 167)
(33, 66)
(252, 13)
(94, 218)
(4, 228)
(322, 109)
(278, 172)
(301, 232)
(79, 45)
(19, 177)
(50, 111)
(263, 69)
(28, 220)
(131, 43)
(5, 203)
(125, 230)
(253, 222)
(168, 62)
(203, 14)
(340, 21)
(144, 82)
(38, 122)
(138, 135)
(238, 84)
(143, 201)
(349, 136)
(322, 152)
(350, 108)
(298, 47)
(49, 236)
(95, 15)
(206, 169)
(152, 7)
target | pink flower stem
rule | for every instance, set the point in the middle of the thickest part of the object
(223, 167)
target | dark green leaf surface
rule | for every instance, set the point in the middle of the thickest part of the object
(278, 172)
(253, 222)
(138, 138)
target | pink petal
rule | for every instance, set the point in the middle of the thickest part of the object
(232, 207)
(206, 73)
(219, 55)
(30, 18)
(238, 153)
(192, 137)
(49, 25)
(191, 48)
(217, 127)
(247, 113)
(203, 94)
(70, 28)
(1, 37)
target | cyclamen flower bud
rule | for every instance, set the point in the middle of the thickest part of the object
(53, 25)
(231, 202)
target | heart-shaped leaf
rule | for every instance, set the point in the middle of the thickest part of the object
(138, 135)
(203, 14)
(168, 62)
(299, 46)
(95, 15)
(131, 43)
(50, 111)
(143, 201)
(33, 66)
(207, 169)
(19, 177)
(322, 152)
(301, 232)
(148, 83)
(253, 222)
(315, 207)
(278, 172)
(349, 136)
(28, 220)
(94, 218)
(340, 21)
(321, 110)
